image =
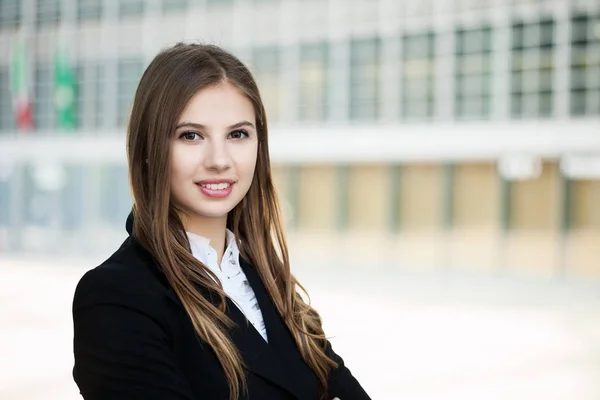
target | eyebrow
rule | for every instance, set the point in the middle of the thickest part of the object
(200, 126)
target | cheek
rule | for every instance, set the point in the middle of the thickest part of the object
(245, 160)
(178, 172)
(250, 165)
(245, 167)
(182, 162)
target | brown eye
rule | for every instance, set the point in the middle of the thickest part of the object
(239, 134)
(190, 136)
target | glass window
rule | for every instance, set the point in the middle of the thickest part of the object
(174, 5)
(7, 119)
(130, 8)
(313, 81)
(48, 12)
(101, 120)
(364, 79)
(418, 76)
(532, 75)
(473, 73)
(36, 207)
(43, 104)
(115, 199)
(89, 96)
(5, 197)
(211, 3)
(585, 65)
(129, 74)
(81, 97)
(266, 65)
(89, 10)
(10, 13)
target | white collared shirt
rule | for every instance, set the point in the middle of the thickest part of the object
(232, 277)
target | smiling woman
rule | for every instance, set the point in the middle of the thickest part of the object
(199, 301)
(213, 157)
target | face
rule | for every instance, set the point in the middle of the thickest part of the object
(213, 154)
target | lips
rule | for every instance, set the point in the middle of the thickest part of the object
(216, 188)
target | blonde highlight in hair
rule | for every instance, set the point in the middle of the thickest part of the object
(167, 85)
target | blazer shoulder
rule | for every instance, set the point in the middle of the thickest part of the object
(121, 280)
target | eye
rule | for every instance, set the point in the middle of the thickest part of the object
(239, 134)
(190, 136)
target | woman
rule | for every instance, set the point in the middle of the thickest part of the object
(199, 301)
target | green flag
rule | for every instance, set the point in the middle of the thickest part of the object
(64, 92)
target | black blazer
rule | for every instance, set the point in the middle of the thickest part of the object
(134, 340)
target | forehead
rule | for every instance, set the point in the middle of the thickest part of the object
(218, 105)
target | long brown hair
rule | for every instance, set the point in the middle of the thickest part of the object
(167, 85)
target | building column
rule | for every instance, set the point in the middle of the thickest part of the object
(562, 104)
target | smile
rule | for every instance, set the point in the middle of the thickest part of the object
(216, 189)
(216, 186)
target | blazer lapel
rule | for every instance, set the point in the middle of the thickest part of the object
(259, 356)
(281, 342)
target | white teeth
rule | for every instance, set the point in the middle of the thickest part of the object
(216, 186)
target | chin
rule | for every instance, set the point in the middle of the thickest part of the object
(212, 212)
(200, 208)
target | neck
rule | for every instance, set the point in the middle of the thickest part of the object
(213, 229)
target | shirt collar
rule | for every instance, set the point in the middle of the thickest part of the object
(202, 250)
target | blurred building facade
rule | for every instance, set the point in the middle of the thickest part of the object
(430, 134)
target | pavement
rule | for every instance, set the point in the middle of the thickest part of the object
(404, 334)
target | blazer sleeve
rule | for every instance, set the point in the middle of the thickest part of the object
(121, 349)
(341, 382)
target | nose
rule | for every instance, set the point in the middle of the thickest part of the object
(217, 157)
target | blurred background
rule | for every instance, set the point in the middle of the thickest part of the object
(438, 163)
